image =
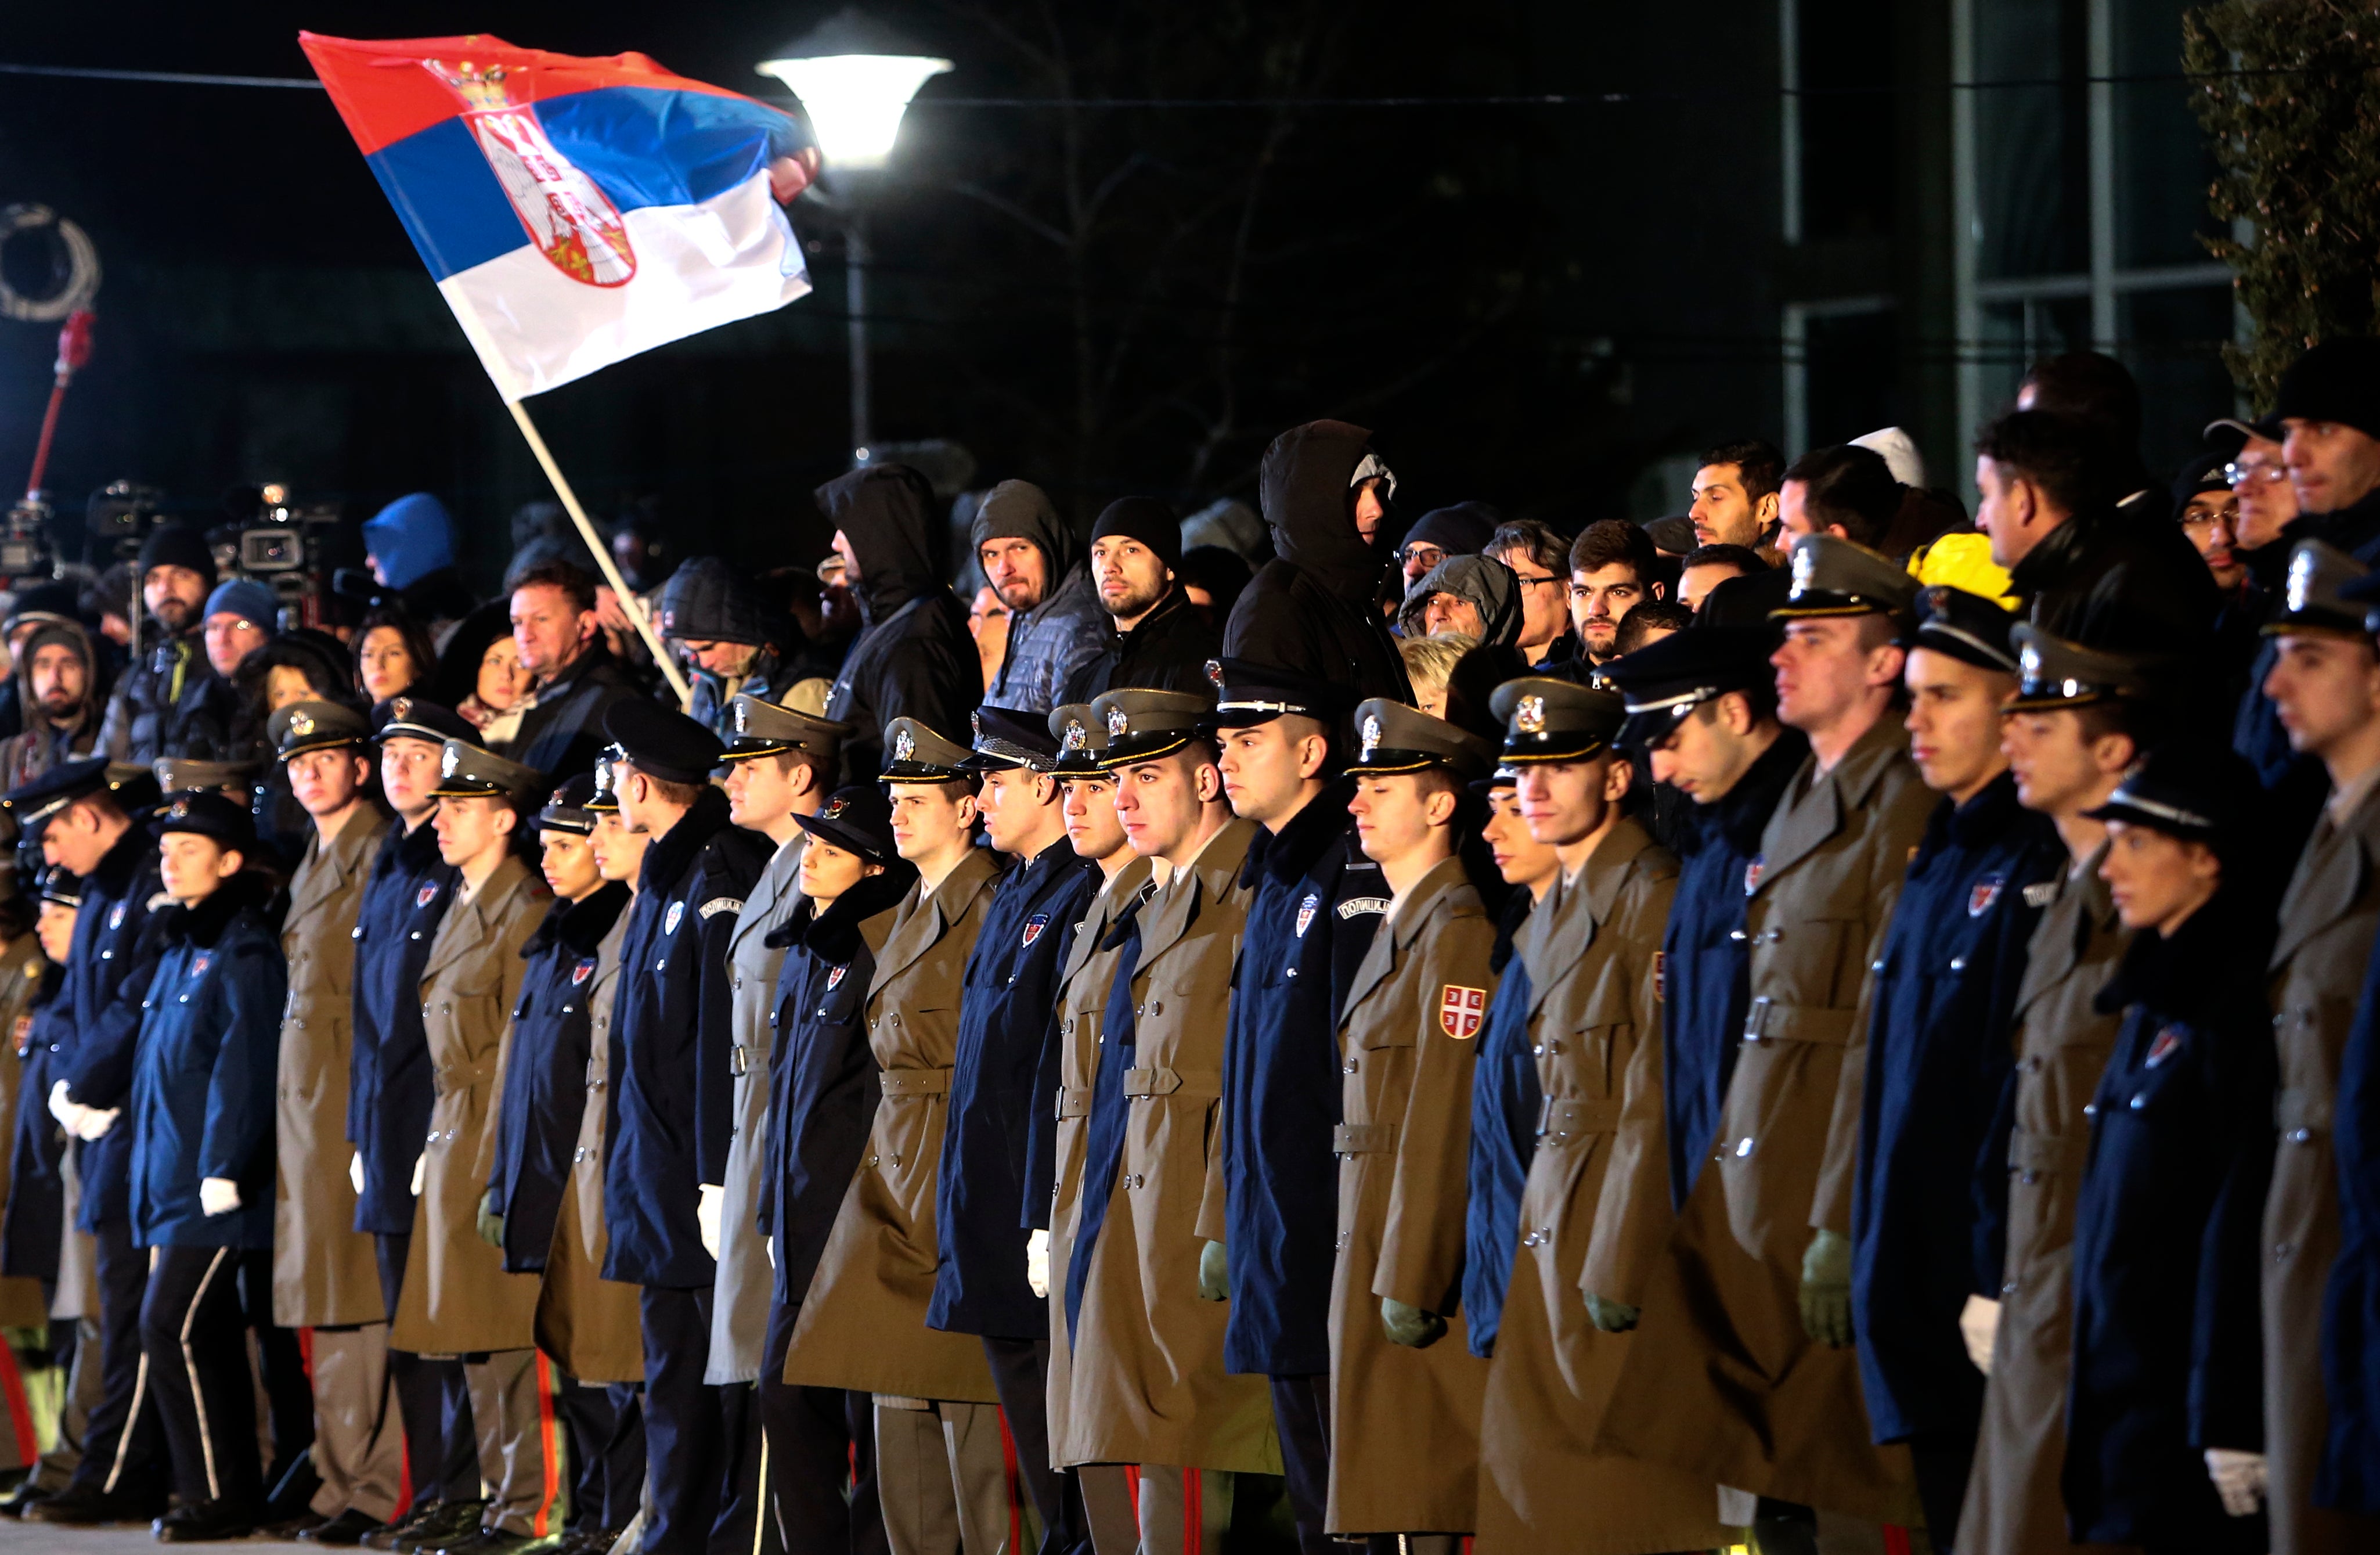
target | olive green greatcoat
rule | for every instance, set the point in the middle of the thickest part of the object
(2326, 927)
(325, 1274)
(2015, 1505)
(1750, 1400)
(592, 1326)
(741, 1288)
(1404, 1423)
(863, 1323)
(1083, 987)
(457, 1299)
(21, 968)
(1147, 1379)
(1594, 1216)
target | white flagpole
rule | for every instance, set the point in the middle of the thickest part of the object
(634, 606)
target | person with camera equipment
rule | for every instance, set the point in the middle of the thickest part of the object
(167, 701)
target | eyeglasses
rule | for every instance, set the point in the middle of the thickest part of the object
(1427, 556)
(1549, 578)
(2227, 514)
(2238, 475)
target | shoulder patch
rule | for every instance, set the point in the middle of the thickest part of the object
(2040, 894)
(718, 905)
(581, 973)
(1983, 893)
(1460, 1009)
(1033, 927)
(1356, 906)
(1752, 873)
(2168, 1043)
(1306, 911)
(116, 916)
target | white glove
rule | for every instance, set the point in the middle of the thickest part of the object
(2239, 1478)
(95, 1123)
(1036, 1263)
(1979, 1321)
(706, 1215)
(421, 1165)
(771, 1244)
(69, 1113)
(218, 1196)
(355, 1172)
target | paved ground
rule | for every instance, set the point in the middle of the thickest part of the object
(121, 1539)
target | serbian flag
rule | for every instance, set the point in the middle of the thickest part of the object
(574, 211)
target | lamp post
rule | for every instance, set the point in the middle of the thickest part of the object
(855, 78)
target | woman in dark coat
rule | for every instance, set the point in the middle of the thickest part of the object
(2164, 1412)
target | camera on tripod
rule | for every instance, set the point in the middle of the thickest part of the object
(25, 549)
(280, 543)
(119, 516)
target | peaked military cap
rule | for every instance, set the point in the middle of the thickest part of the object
(1833, 576)
(1393, 736)
(1005, 740)
(661, 742)
(2314, 598)
(315, 725)
(1082, 737)
(466, 770)
(565, 809)
(1503, 777)
(1966, 626)
(1550, 720)
(857, 819)
(2186, 791)
(1143, 725)
(1248, 693)
(208, 814)
(605, 800)
(179, 774)
(2053, 672)
(61, 886)
(763, 728)
(410, 718)
(1662, 681)
(914, 753)
(34, 802)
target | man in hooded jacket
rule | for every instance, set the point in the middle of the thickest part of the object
(1313, 607)
(729, 639)
(1055, 624)
(1490, 589)
(913, 657)
(58, 685)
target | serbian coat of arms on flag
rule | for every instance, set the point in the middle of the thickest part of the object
(1460, 1011)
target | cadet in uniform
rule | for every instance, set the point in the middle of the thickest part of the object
(1405, 1415)
(2325, 685)
(1007, 1056)
(1147, 1383)
(673, 1046)
(541, 1210)
(863, 1323)
(1760, 1263)
(202, 1167)
(324, 1277)
(1595, 1210)
(457, 1298)
(2081, 717)
(389, 1098)
(1316, 902)
(1054, 1154)
(1938, 1047)
(2164, 1417)
(822, 1100)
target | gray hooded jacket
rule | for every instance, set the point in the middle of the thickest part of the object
(1049, 644)
(1491, 587)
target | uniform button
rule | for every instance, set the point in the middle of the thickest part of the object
(2090, 1109)
(1554, 1049)
(107, 956)
(1537, 1049)
(1875, 965)
(1957, 964)
(1736, 934)
(1140, 1009)
(2029, 1178)
(2008, 1289)
(739, 979)
(2301, 1137)
(578, 1154)
(1743, 1146)
(415, 935)
(731, 1131)
(662, 963)
(1348, 1067)
(185, 998)
(2279, 1021)
(1156, 1007)
(1293, 971)
(425, 1012)
(2139, 1102)
(357, 932)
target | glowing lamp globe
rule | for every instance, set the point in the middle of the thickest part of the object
(855, 79)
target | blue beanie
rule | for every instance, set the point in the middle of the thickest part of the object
(410, 537)
(247, 597)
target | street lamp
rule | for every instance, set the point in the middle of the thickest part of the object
(855, 78)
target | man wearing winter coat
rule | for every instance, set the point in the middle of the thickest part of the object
(1150, 636)
(578, 680)
(913, 657)
(1314, 608)
(57, 687)
(731, 643)
(1037, 566)
(169, 701)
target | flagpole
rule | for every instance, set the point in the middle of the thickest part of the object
(634, 606)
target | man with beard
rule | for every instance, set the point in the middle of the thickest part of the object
(57, 687)
(1735, 498)
(1057, 616)
(1161, 641)
(163, 706)
(1613, 568)
(1314, 608)
(913, 657)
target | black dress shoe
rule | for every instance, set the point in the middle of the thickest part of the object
(205, 1523)
(347, 1528)
(448, 1522)
(422, 1519)
(82, 1506)
(24, 1498)
(494, 1541)
(290, 1527)
(591, 1541)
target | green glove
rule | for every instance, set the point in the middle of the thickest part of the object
(491, 1225)
(1410, 1326)
(1611, 1317)
(1827, 1289)
(1214, 1279)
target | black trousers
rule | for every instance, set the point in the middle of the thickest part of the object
(1020, 1374)
(123, 1445)
(1941, 1460)
(821, 1440)
(606, 1425)
(442, 1444)
(196, 1338)
(702, 1443)
(288, 1399)
(1301, 1414)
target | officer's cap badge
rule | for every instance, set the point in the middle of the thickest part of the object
(1371, 736)
(1529, 715)
(1119, 722)
(905, 745)
(301, 724)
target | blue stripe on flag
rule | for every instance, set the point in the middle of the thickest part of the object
(641, 145)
